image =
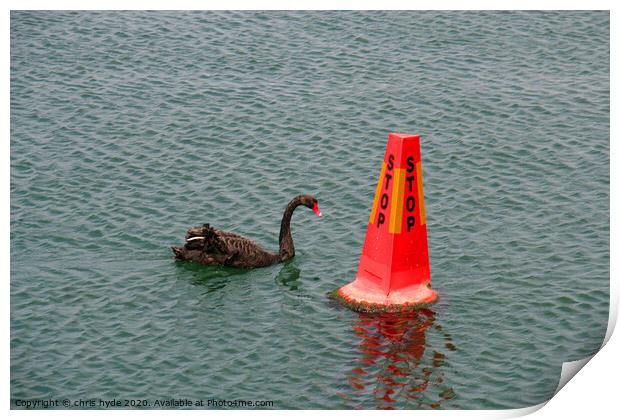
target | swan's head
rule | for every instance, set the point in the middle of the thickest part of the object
(312, 203)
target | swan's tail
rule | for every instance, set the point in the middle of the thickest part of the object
(178, 252)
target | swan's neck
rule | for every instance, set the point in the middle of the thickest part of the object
(287, 249)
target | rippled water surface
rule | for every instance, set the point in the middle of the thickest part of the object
(128, 128)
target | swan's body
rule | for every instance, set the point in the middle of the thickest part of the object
(211, 246)
(208, 245)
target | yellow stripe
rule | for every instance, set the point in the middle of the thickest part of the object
(421, 193)
(375, 203)
(398, 193)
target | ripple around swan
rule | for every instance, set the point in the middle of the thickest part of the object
(129, 127)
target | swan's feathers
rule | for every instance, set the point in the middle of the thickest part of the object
(220, 244)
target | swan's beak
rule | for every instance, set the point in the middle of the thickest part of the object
(317, 210)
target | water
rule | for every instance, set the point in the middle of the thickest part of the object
(128, 128)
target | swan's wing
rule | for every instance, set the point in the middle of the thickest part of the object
(228, 235)
(238, 245)
(214, 242)
(226, 248)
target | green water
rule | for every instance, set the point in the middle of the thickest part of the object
(129, 127)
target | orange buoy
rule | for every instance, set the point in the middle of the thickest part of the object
(394, 270)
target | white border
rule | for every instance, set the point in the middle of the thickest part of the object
(590, 395)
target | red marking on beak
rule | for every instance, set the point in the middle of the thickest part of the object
(317, 210)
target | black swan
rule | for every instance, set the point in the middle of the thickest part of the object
(208, 245)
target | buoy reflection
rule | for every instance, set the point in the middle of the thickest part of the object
(396, 367)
